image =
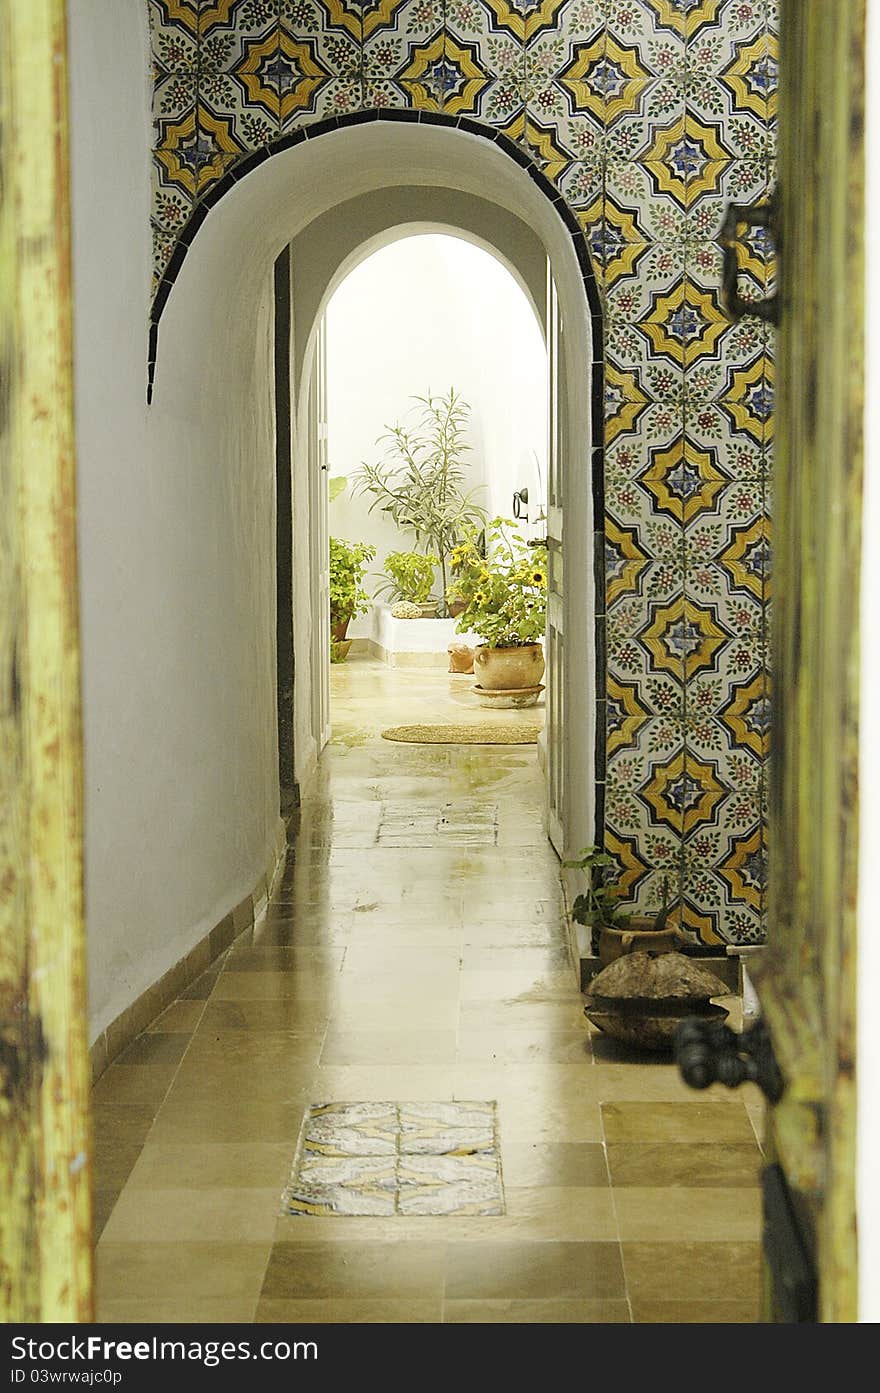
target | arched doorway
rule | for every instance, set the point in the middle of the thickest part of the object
(228, 267)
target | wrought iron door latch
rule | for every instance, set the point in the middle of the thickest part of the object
(764, 215)
(710, 1052)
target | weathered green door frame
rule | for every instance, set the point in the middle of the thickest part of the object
(806, 978)
(46, 1231)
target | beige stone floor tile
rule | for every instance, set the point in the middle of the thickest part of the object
(660, 1082)
(187, 1272)
(216, 1215)
(339, 1311)
(554, 1163)
(559, 1312)
(272, 986)
(520, 985)
(650, 1311)
(208, 1165)
(103, 1201)
(286, 1013)
(123, 1124)
(237, 1086)
(677, 1122)
(684, 1163)
(509, 1014)
(537, 960)
(259, 1050)
(527, 1270)
(705, 1271)
(383, 1082)
(414, 933)
(265, 958)
(193, 1120)
(376, 1270)
(506, 937)
(373, 960)
(578, 1213)
(406, 1013)
(528, 1114)
(669, 1214)
(183, 1311)
(535, 1046)
(138, 1084)
(428, 1047)
(179, 1017)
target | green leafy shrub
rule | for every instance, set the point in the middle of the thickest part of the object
(409, 576)
(348, 564)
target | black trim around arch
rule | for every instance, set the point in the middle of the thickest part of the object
(582, 251)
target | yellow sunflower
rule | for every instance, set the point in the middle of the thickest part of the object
(538, 578)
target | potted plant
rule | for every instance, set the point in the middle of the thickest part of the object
(420, 483)
(504, 585)
(348, 564)
(409, 576)
(615, 932)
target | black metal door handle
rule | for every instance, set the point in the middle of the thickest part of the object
(746, 215)
(708, 1052)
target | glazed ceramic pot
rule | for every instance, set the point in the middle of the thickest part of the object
(501, 669)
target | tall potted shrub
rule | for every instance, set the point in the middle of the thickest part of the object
(420, 482)
(348, 563)
(504, 585)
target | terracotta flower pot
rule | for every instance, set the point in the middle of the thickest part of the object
(455, 607)
(637, 937)
(339, 627)
(500, 669)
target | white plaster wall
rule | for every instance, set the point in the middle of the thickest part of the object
(176, 556)
(176, 503)
(868, 1140)
(426, 313)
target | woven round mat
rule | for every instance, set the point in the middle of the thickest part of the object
(477, 733)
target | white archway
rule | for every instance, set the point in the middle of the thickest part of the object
(211, 406)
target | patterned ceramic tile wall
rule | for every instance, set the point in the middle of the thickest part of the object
(649, 116)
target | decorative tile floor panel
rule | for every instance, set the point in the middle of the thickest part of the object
(466, 822)
(397, 1158)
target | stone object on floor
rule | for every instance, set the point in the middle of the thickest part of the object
(641, 997)
(461, 657)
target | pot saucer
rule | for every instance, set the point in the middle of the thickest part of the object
(508, 696)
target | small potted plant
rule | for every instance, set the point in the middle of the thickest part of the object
(615, 932)
(504, 585)
(348, 564)
(409, 576)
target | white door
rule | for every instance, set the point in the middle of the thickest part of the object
(554, 761)
(319, 533)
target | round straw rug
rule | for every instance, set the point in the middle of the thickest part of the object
(477, 733)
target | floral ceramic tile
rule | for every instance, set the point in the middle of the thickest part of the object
(398, 1158)
(649, 116)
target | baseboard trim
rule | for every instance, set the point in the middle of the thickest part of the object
(143, 1011)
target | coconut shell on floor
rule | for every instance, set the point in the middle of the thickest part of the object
(640, 998)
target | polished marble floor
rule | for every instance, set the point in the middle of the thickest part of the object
(426, 968)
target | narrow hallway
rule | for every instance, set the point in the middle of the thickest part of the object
(415, 951)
